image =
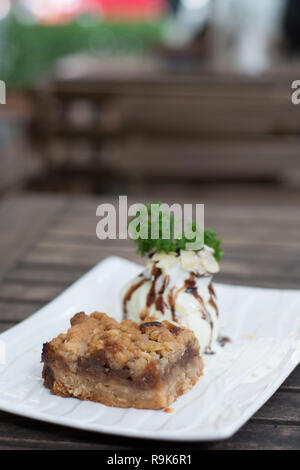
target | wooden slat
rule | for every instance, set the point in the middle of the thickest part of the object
(160, 103)
(254, 436)
(236, 244)
(12, 447)
(162, 83)
(157, 116)
(272, 214)
(263, 198)
(283, 407)
(14, 311)
(293, 381)
(53, 275)
(201, 159)
(17, 431)
(250, 263)
(17, 215)
(34, 292)
(79, 258)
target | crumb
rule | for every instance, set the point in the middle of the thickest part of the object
(169, 410)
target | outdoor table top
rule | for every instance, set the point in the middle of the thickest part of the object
(47, 242)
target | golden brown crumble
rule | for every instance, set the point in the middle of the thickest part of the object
(126, 343)
(145, 365)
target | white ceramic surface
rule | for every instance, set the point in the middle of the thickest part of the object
(264, 325)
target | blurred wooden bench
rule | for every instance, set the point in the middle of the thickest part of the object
(185, 128)
(17, 164)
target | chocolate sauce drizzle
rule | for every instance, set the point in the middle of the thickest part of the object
(213, 297)
(130, 293)
(159, 301)
(191, 287)
(155, 272)
(159, 304)
(171, 302)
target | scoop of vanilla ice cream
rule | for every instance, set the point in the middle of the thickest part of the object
(177, 287)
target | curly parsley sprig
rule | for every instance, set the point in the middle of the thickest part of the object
(150, 245)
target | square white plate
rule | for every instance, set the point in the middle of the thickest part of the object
(264, 325)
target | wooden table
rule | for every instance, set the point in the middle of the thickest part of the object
(47, 242)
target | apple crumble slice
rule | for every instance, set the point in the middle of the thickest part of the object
(141, 365)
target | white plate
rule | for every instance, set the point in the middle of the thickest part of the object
(264, 325)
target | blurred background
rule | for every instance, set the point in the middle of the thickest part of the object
(149, 96)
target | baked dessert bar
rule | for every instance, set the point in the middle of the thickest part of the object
(141, 365)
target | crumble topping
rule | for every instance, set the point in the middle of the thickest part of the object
(127, 344)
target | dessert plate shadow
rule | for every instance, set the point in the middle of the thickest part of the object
(263, 324)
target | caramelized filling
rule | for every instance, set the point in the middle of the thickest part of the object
(98, 367)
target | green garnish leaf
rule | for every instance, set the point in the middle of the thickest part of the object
(210, 239)
(150, 245)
